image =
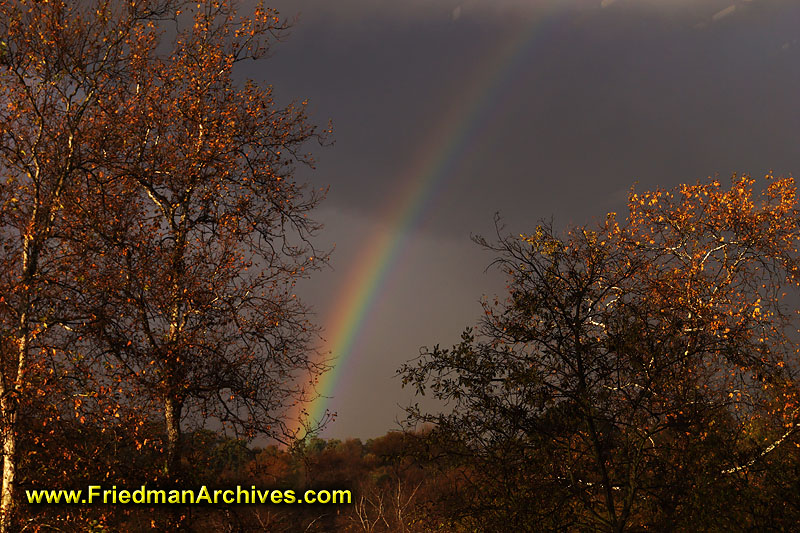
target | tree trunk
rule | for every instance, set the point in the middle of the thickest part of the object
(172, 466)
(9, 416)
(10, 388)
(172, 417)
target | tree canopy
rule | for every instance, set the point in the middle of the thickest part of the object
(151, 233)
(632, 367)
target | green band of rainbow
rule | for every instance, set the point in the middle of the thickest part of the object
(457, 130)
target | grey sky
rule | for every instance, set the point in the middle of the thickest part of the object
(609, 93)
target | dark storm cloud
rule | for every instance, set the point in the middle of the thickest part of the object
(635, 91)
(611, 92)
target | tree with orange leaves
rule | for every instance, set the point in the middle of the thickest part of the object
(621, 383)
(59, 61)
(152, 231)
(193, 295)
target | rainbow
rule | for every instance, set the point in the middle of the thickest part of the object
(459, 128)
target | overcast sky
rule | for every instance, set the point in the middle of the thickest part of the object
(546, 109)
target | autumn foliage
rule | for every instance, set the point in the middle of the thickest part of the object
(152, 234)
(641, 374)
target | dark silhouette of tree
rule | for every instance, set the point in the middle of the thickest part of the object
(628, 367)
